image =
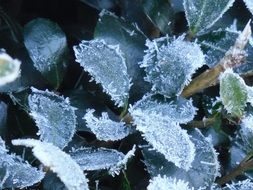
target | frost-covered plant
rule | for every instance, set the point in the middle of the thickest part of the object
(146, 94)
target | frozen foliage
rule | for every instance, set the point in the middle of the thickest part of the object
(204, 170)
(246, 131)
(241, 185)
(9, 69)
(165, 183)
(169, 64)
(107, 66)
(166, 137)
(249, 4)
(14, 172)
(47, 45)
(102, 158)
(122, 164)
(104, 128)
(58, 161)
(233, 92)
(96, 159)
(178, 110)
(54, 116)
(203, 14)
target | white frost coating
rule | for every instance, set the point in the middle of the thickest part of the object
(54, 116)
(18, 173)
(241, 185)
(122, 164)
(170, 65)
(107, 65)
(96, 159)
(165, 183)
(58, 161)
(203, 14)
(9, 69)
(166, 137)
(246, 130)
(249, 4)
(104, 128)
(179, 110)
(250, 94)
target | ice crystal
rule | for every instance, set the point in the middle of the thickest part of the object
(107, 66)
(169, 64)
(203, 14)
(54, 116)
(15, 172)
(241, 185)
(177, 110)
(246, 130)
(249, 4)
(233, 92)
(9, 69)
(58, 161)
(166, 137)
(104, 128)
(165, 183)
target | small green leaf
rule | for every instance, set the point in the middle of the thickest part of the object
(233, 92)
(54, 116)
(47, 47)
(9, 69)
(106, 64)
(203, 14)
(160, 13)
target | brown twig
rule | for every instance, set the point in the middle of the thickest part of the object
(234, 57)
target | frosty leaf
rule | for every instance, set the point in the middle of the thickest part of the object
(58, 161)
(217, 43)
(54, 116)
(104, 128)
(160, 13)
(178, 110)
(241, 185)
(165, 183)
(233, 92)
(102, 158)
(204, 170)
(9, 69)
(117, 31)
(249, 4)
(3, 118)
(202, 14)
(169, 65)
(246, 131)
(47, 47)
(166, 137)
(15, 173)
(107, 66)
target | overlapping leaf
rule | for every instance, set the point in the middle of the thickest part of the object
(58, 161)
(15, 172)
(107, 66)
(203, 14)
(104, 128)
(54, 116)
(170, 63)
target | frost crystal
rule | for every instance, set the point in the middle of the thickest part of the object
(54, 116)
(246, 130)
(58, 161)
(9, 69)
(177, 110)
(107, 66)
(165, 183)
(241, 185)
(15, 173)
(166, 137)
(233, 92)
(169, 65)
(249, 4)
(203, 14)
(104, 128)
